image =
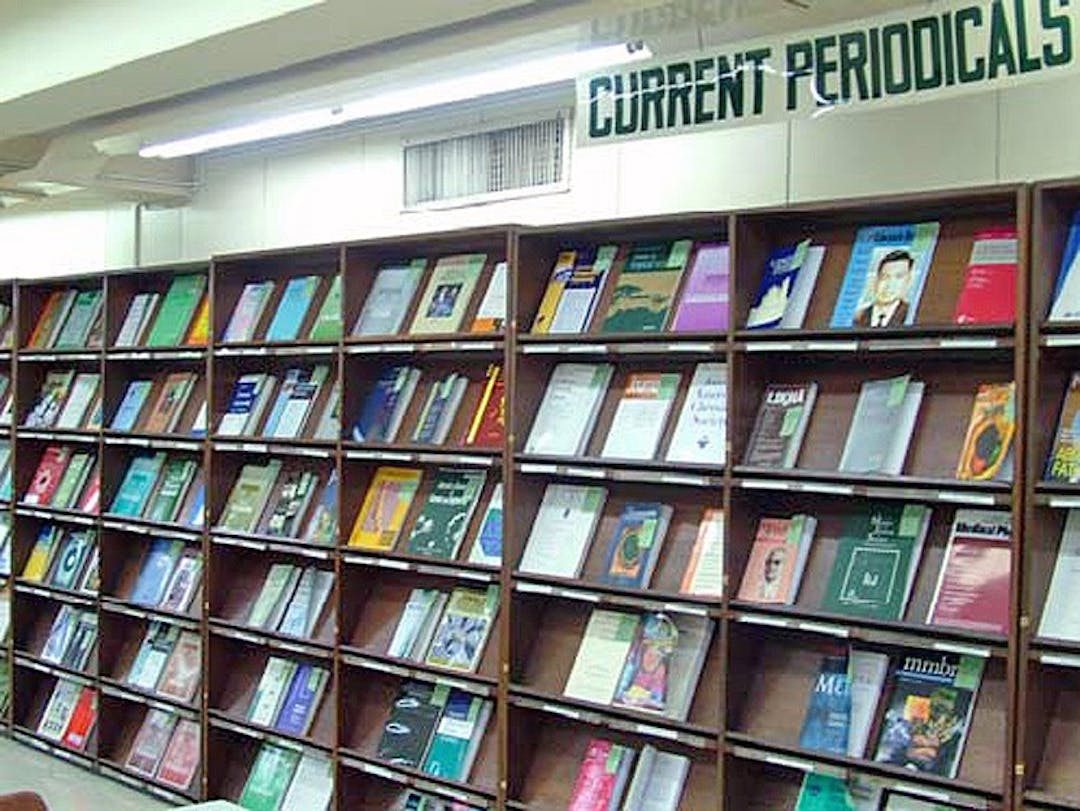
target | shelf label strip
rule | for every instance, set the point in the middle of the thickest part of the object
(790, 763)
(379, 771)
(968, 343)
(824, 628)
(657, 732)
(566, 712)
(827, 489)
(963, 650)
(923, 791)
(779, 346)
(1064, 502)
(1062, 340)
(1060, 659)
(957, 497)
(443, 571)
(585, 472)
(685, 480)
(533, 588)
(686, 608)
(758, 619)
(580, 596)
(532, 467)
(765, 484)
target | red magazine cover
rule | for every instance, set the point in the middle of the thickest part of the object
(973, 586)
(489, 426)
(82, 720)
(601, 777)
(47, 477)
(92, 497)
(989, 292)
(181, 758)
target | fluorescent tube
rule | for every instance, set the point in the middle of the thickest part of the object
(530, 73)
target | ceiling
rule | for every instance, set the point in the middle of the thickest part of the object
(120, 73)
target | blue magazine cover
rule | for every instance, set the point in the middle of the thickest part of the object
(885, 276)
(828, 716)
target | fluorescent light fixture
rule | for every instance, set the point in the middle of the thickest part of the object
(531, 73)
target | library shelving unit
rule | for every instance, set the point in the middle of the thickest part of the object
(548, 613)
(1049, 660)
(240, 557)
(775, 651)
(7, 299)
(97, 578)
(42, 350)
(377, 580)
(739, 727)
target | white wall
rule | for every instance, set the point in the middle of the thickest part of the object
(45, 243)
(331, 189)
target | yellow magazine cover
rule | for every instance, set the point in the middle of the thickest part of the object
(560, 274)
(199, 332)
(385, 506)
(37, 565)
(989, 436)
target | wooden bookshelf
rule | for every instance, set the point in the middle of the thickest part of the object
(7, 597)
(741, 733)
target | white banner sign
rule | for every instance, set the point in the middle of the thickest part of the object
(931, 52)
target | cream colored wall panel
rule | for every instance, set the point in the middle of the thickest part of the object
(51, 243)
(229, 211)
(162, 236)
(317, 195)
(718, 170)
(120, 236)
(909, 148)
(1038, 126)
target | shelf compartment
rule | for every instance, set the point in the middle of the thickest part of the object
(32, 618)
(31, 689)
(229, 370)
(357, 480)
(121, 637)
(367, 699)
(946, 406)
(232, 272)
(236, 578)
(120, 719)
(361, 375)
(235, 667)
(546, 635)
(538, 248)
(363, 260)
(770, 677)
(546, 752)
(122, 558)
(367, 785)
(768, 778)
(532, 382)
(1052, 726)
(688, 509)
(373, 606)
(962, 216)
(832, 513)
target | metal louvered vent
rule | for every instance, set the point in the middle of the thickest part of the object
(486, 166)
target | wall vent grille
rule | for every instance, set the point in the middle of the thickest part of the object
(485, 166)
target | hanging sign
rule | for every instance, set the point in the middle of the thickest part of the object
(929, 52)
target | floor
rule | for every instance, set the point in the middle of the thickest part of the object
(66, 787)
